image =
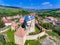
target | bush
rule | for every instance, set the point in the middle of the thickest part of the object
(53, 34)
(57, 30)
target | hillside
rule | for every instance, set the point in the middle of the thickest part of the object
(49, 12)
(11, 11)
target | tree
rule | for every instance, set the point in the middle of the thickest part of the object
(57, 29)
(47, 25)
(1, 23)
(23, 12)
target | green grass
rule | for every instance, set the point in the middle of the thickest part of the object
(43, 37)
(32, 42)
(10, 38)
(36, 31)
(10, 35)
(35, 42)
(53, 34)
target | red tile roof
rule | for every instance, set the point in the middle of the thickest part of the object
(7, 21)
(20, 32)
(51, 18)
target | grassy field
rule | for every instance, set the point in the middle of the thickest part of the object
(32, 42)
(35, 42)
(43, 37)
(9, 38)
(10, 35)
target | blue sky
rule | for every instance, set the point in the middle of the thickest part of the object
(32, 4)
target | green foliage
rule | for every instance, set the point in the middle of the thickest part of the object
(1, 43)
(23, 12)
(54, 13)
(57, 29)
(7, 12)
(10, 35)
(7, 43)
(47, 25)
(2, 39)
(37, 30)
(43, 37)
(12, 11)
(53, 34)
(1, 23)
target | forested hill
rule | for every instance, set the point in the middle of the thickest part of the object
(49, 12)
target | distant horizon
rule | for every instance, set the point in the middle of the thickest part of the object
(26, 8)
(32, 4)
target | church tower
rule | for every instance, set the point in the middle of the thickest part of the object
(30, 24)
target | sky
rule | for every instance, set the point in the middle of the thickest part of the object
(32, 4)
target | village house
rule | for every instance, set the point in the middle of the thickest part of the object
(58, 22)
(50, 19)
(6, 21)
(14, 25)
(17, 16)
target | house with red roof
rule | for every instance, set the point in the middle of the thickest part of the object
(50, 18)
(7, 22)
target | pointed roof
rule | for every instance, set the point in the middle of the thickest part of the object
(20, 32)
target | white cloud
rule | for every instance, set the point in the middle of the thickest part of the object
(6, 4)
(28, 7)
(47, 4)
(31, 7)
